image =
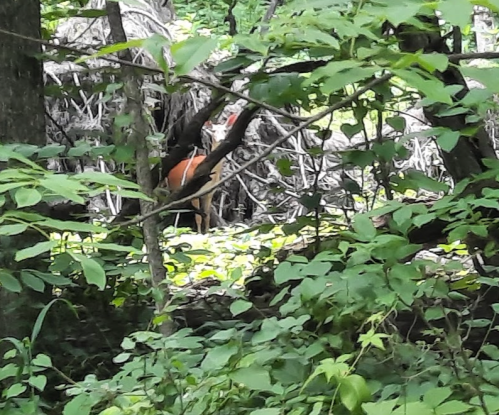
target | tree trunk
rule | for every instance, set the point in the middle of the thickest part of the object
(22, 117)
(465, 159)
(22, 120)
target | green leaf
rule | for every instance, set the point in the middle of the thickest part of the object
(62, 186)
(79, 150)
(421, 220)
(71, 226)
(285, 271)
(112, 410)
(124, 153)
(240, 306)
(117, 248)
(9, 186)
(491, 350)
(400, 216)
(8, 371)
(364, 227)
(330, 369)
(331, 69)
(340, 80)
(279, 297)
(359, 158)
(39, 382)
(102, 151)
(14, 229)
(350, 130)
(266, 411)
(155, 46)
(79, 405)
(433, 61)
(253, 43)
(269, 331)
(15, 390)
(310, 288)
(218, 357)
(397, 123)
(129, 194)
(7, 153)
(105, 179)
(372, 338)
(432, 88)
(386, 150)
(52, 279)
(94, 273)
(487, 76)
(316, 37)
(35, 250)
(354, 392)
(448, 140)
(191, 52)
(284, 166)
(413, 408)
(398, 13)
(41, 317)
(52, 150)
(456, 12)
(115, 47)
(32, 281)
(9, 282)
(379, 408)
(42, 360)
(26, 150)
(253, 377)
(224, 334)
(435, 396)
(311, 201)
(316, 268)
(127, 344)
(121, 358)
(422, 181)
(27, 197)
(453, 408)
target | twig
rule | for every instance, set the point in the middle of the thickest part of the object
(268, 15)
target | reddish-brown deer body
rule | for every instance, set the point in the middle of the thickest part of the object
(184, 171)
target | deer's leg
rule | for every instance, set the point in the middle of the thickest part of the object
(206, 208)
(199, 218)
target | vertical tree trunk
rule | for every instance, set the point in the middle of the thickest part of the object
(22, 120)
(22, 116)
(465, 159)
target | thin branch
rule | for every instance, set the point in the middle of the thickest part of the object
(268, 15)
(183, 78)
(344, 102)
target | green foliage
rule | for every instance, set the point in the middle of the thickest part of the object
(205, 14)
(328, 340)
(53, 11)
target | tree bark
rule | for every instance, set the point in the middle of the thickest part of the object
(22, 117)
(465, 159)
(22, 120)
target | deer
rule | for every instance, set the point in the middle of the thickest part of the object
(184, 171)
